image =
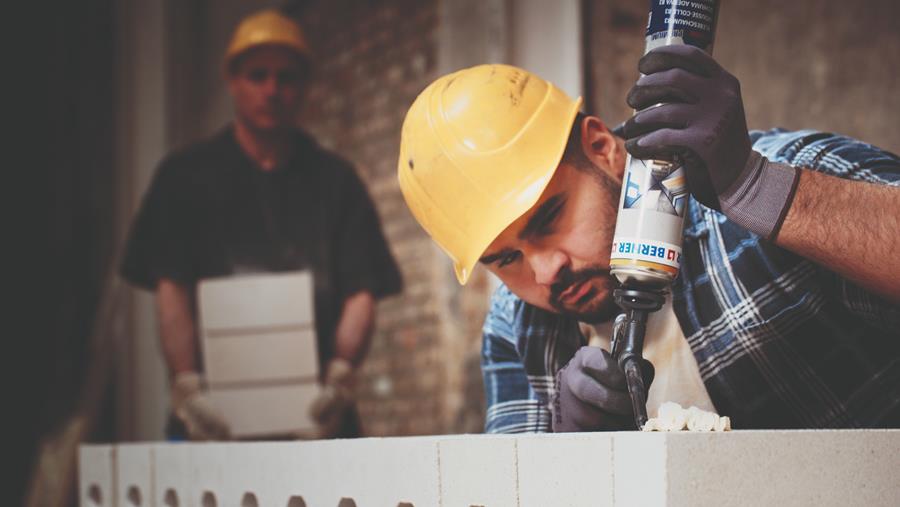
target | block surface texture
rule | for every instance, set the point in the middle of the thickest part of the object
(841, 467)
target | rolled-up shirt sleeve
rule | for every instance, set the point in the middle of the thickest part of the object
(364, 259)
(159, 239)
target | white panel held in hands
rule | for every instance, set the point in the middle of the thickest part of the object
(266, 410)
(258, 300)
(290, 354)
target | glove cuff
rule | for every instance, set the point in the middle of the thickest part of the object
(185, 385)
(340, 372)
(762, 195)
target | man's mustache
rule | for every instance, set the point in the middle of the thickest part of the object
(568, 278)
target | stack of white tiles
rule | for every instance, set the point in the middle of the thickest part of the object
(738, 468)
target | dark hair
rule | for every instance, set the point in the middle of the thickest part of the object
(574, 155)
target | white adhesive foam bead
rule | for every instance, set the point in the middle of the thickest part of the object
(723, 424)
(701, 420)
(671, 417)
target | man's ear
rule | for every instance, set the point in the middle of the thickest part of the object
(601, 147)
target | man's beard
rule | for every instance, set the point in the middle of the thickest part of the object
(593, 312)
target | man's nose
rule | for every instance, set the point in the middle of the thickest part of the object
(270, 85)
(546, 265)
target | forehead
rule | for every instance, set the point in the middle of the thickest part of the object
(269, 57)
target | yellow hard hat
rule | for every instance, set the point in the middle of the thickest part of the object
(267, 27)
(477, 149)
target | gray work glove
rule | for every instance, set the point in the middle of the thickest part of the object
(591, 394)
(690, 111)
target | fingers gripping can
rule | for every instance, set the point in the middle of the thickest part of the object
(646, 248)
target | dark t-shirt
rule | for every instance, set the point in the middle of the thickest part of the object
(211, 212)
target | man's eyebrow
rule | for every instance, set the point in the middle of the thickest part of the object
(488, 259)
(539, 218)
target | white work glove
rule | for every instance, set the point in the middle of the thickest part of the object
(335, 397)
(192, 406)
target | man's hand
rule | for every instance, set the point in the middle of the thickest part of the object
(336, 396)
(195, 410)
(690, 111)
(591, 394)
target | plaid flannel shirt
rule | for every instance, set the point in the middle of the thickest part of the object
(780, 341)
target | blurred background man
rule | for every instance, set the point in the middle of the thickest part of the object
(261, 196)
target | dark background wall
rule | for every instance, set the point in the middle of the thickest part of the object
(828, 65)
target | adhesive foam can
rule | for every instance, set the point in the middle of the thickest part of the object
(646, 249)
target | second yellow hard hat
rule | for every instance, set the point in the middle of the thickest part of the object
(267, 27)
(477, 149)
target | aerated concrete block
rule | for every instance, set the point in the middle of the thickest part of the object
(845, 467)
(134, 475)
(171, 473)
(274, 355)
(96, 485)
(815, 467)
(256, 301)
(567, 469)
(317, 471)
(478, 470)
(206, 474)
(391, 471)
(267, 410)
(639, 469)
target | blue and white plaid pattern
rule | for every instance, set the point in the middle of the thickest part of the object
(780, 341)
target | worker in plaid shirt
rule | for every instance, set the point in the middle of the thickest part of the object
(785, 312)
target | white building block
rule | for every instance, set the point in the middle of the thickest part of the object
(266, 410)
(840, 467)
(568, 469)
(262, 356)
(646, 469)
(368, 471)
(256, 474)
(819, 468)
(478, 470)
(391, 471)
(206, 475)
(134, 475)
(639, 468)
(260, 350)
(96, 485)
(256, 301)
(316, 471)
(171, 473)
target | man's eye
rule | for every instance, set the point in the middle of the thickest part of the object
(509, 258)
(257, 76)
(546, 224)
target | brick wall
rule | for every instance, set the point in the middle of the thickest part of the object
(373, 58)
